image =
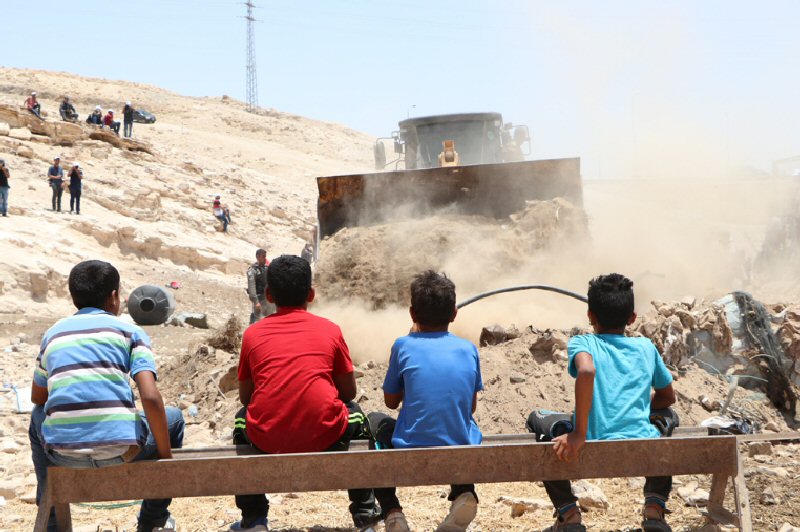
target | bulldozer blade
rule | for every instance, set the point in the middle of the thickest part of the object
(493, 190)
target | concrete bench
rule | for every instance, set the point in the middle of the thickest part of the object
(504, 458)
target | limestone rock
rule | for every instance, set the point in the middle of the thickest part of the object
(517, 378)
(786, 527)
(693, 495)
(24, 151)
(4, 129)
(521, 506)
(773, 471)
(759, 448)
(589, 495)
(20, 133)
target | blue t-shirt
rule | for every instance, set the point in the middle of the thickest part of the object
(84, 363)
(439, 374)
(626, 370)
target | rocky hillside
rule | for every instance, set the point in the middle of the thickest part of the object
(152, 212)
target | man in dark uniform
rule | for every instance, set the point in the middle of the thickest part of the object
(256, 287)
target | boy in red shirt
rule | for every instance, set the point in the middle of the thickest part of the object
(297, 384)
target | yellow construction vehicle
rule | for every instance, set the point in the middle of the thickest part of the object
(470, 163)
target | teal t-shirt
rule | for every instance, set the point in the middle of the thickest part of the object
(626, 371)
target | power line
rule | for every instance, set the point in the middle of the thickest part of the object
(252, 78)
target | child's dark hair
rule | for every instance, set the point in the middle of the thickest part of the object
(91, 282)
(433, 298)
(611, 300)
(289, 280)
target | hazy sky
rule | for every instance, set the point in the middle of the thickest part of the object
(636, 88)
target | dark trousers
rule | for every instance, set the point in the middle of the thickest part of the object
(548, 425)
(381, 427)
(114, 126)
(362, 501)
(75, 200)
(57, 192)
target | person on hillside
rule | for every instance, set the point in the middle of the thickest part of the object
(55, 178)
(96, 117)
(4, 186)
(297, 386)
(109, 121)
(75, 188)
(127, 120)
(436, 376)
(32, 104)
(221, 213)
(307, 253)
(256, 287)
(614, 399)
(84, 414)
(67, 110)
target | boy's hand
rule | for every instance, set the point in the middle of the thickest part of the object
(568, 446)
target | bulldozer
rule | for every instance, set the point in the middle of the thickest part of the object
(469, 163)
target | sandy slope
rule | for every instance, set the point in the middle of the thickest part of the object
(150, 215)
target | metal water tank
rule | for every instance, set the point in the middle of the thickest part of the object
(150, 305)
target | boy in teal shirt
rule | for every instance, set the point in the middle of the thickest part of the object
(615, 376)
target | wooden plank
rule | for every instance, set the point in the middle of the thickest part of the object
(716, 499)
(43, 512)
(362, 445)
(742, 497)
(63, 517)
(403, 467)
(770, 436)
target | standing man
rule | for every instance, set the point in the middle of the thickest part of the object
(75, 187)
(221, 213)
(3, 188)
(308, 253)
(256, 287)
(127, 119)
(55, 177)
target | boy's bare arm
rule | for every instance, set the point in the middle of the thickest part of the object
(663, 398)
(567, 446)
(392, 400)
(153, 407)
(246, 389)
(346, 384)
(38, 395)
(474, 402)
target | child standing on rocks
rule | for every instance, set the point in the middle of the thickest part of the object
(436, 376)
(615, 375)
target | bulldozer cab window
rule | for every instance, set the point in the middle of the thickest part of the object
(475, 141)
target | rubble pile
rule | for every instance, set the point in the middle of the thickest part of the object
(376, 263)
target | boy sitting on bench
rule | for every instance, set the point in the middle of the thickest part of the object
(85, 415)
(437, 377)
(297, 386)
(614, 378)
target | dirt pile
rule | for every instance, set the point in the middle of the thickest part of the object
(376, 263)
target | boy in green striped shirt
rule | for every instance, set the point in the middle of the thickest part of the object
(84, 414)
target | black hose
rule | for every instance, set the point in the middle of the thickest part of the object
(478, 297)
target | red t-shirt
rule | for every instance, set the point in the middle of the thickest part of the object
(291, 356)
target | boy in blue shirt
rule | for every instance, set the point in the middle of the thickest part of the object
(615, 376)
(85, 415)
(437, 377)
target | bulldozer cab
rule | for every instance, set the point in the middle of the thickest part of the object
(479, 138)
